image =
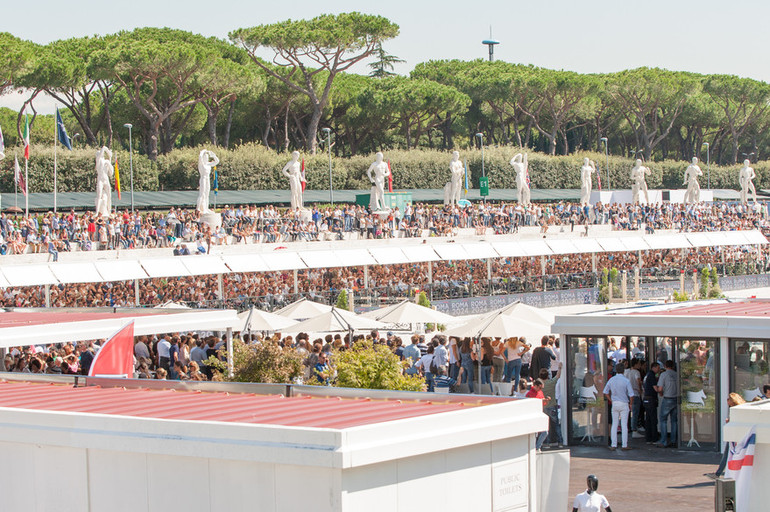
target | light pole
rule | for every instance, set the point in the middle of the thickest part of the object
(607, 159)
(131, 160)
(708, 166)
(328, 132)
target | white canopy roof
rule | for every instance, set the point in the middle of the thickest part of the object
(164, 267)
(407, 312)
(302, 309)
(29, 275)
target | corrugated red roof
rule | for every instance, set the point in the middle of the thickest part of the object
(333, 413)
(25, 318)
(750, 308)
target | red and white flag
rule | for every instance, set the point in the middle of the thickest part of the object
(302, 174)
(740, 463)
(116, 357)
(19, 177)
(390, 178)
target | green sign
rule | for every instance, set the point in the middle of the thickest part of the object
(484, 186)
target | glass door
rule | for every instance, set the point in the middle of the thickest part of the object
(587, 370)
(698, 383)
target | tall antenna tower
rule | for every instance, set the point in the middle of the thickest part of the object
(491, 44)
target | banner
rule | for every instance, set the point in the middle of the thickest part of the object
(116, 357)
(740, 464)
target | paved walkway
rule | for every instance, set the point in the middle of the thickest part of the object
(646, 478)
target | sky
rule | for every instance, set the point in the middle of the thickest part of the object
(588, 36)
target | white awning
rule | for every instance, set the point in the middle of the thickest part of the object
(509, 249)
(611, 244)
(204, 265)
(320, 259)
(754, 237)
(164, 267)
(588, 245)
(3, 281)
(420, 253)
(75, 273)
(29, 275)
(451, 252)
(676, 241)
(245, 263)
(354, 257)
(480, 251)
(634, 243)
(120, 270)
(283, 260)
(388, 255)
(698, 239)
(564, 246)
(536, 248)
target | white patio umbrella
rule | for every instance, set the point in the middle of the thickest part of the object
(170, 304)
(407, 312)
(257, 320)
(303, 309)
(336, 320)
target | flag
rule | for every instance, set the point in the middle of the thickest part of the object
(390, 179)
(116, 357)
(527, 171)
(304, 183)
(117, 176)
(599, 179)
(740, 463)
(25, 136)
(18, 176)
(216, 181)
(2, 144)
(61, 132)
(466, 177)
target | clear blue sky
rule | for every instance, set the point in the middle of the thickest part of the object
(706, 36)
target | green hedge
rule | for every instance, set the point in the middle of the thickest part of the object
(253, 167)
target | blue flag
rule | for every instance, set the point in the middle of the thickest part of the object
(61, 132)
(216, 181)
(466, 177)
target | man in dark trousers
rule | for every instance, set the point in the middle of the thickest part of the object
(650, 403)
(541, 358)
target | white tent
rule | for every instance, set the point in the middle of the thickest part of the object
(407, 312)
(515, 319)
(336, 320)
(258, 320)
(303, 309)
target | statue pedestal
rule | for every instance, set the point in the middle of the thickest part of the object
(657, 196)
(213, 220)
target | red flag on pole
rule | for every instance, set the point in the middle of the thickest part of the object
(116, 358)
(304, 183)
(390, 179)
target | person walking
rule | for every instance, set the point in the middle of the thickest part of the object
(590, 500)
(668, 388)
(620, 394)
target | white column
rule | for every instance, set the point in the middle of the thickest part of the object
(229, 350)
(48, 295)
(220, 287)
(723, 349)
(136, 292)
(296, 286)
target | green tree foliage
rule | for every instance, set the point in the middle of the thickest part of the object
(385, 64)
(264, 362)
(422, 300)
(15, 57)
(342, 300)
(327, 43)
(369, 366)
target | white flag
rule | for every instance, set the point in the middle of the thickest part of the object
(2, 144)
(740, 463)
(18, 176)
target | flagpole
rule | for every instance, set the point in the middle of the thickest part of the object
(55, 140)
(26, 185)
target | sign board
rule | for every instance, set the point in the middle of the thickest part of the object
(484, 186)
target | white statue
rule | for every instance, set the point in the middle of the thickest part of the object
(520, 164)
(586, 180)
(455, 185)
(691, 180)
(747, 182)
(381, 173)
(206, 160)
(638, 181)
(104, 171)
(293, 171)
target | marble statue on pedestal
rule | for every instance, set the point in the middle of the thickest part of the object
(377, 173)
(692, 195)
(586, 180)
(746, 178)
(638, 182)
(104, 171)
(293, 171)
(206, 160)
(454, 187)
(520, 165)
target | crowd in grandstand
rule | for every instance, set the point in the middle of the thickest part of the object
(66, 231)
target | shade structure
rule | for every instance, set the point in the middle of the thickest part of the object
(336, 320)
(407, 312)
(303, 309)
(515, 319)
(257, 320)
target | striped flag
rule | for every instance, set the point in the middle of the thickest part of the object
(304, 183)
(25, 136)
(117, 175)
(18, 176)
(466, 177)
(390, 179)
(740, 463)
(216, 181)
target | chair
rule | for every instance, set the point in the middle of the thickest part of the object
(503, 388)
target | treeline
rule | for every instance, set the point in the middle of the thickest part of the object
(180, 89)
(254, 167)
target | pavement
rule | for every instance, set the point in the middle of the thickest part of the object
(646, 477)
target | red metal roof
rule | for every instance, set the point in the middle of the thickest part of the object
(748, 308)
(333, 413)
(25, 318)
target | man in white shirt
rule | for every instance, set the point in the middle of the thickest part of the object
(635, 378)
(590, 500)
(618, 391)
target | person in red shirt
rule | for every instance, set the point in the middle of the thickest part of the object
(536, 391)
